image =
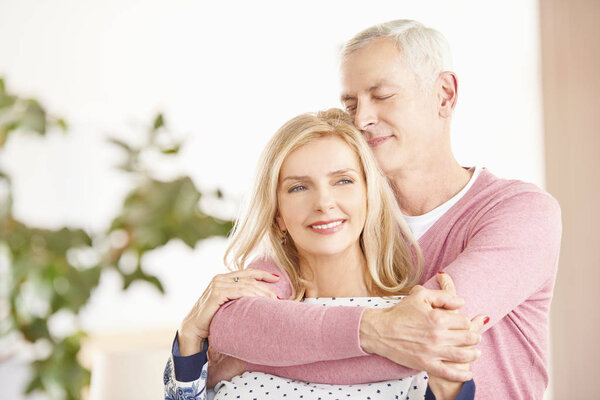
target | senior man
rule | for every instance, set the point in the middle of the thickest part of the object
(498, 239)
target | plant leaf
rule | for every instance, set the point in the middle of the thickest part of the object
(159, 122)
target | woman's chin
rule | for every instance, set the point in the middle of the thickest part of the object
(328, 250)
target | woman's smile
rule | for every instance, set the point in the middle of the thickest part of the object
(327, 227)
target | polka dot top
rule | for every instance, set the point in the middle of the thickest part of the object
(258, 385)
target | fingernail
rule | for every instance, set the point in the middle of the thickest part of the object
(275, 275)
(279, 297)
(486, 320)
(441, 272)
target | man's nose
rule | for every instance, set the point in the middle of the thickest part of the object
(365, 115)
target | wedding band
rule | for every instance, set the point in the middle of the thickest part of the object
(236, 279)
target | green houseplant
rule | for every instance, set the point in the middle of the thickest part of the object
(46, 277)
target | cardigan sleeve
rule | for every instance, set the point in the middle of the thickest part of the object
(512, 253)
(326, 346)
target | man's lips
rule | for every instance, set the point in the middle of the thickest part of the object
(376, 141)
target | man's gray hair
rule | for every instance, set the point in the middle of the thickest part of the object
(425, 50)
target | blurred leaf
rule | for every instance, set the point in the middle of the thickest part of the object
(6, 100)
(139, 275)
(122, 145)
(10, 126)
(157, 212)
(37, 329)
(62, 369)
(159, 122)
(154, 281)
(172, 150)
(62, 124)
(34, 118)
(78, 289)
(34, 384)
(4, 176)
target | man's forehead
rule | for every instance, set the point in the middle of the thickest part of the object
(370, 67)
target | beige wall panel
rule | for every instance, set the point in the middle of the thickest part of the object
(570, 35)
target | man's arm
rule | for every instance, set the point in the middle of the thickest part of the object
(287, 334)
(510, 256)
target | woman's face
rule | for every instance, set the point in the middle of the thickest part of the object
(322, 197)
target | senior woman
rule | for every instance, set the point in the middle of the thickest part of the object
(322, 211)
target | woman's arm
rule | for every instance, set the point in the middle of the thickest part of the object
(185, 377)
(187, 369)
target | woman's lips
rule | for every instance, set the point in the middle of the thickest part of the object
(327, 228)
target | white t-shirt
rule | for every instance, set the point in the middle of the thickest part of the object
(421, 223)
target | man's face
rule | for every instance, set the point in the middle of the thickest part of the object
(397, 114)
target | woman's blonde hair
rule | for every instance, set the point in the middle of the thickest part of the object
(393, 266)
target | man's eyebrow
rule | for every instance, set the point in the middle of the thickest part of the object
(346, 97)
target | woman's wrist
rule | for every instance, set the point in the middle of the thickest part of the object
(190, 343)
(443, 389)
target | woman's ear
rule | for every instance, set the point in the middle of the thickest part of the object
(280, 223)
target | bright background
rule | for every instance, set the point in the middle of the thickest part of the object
(226, 75)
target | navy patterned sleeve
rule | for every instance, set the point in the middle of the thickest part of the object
(185, 377)
(466, 393)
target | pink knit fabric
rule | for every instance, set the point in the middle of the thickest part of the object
(499, 243)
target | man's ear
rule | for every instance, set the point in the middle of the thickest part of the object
(447, 93)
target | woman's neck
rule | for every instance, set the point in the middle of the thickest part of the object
(339, 275)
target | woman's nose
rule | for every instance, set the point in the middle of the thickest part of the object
(325, 200)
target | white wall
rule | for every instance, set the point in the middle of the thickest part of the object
(227, 75)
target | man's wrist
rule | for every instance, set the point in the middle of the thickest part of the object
(368, 331)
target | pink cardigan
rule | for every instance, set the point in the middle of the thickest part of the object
(499, 243)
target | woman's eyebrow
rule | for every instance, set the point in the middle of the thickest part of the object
(341, 171)
(295, 178)
(306, 177)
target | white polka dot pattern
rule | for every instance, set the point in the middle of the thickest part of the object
(258, 385)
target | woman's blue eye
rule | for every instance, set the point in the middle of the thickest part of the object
(345, 181)
(296, 188)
